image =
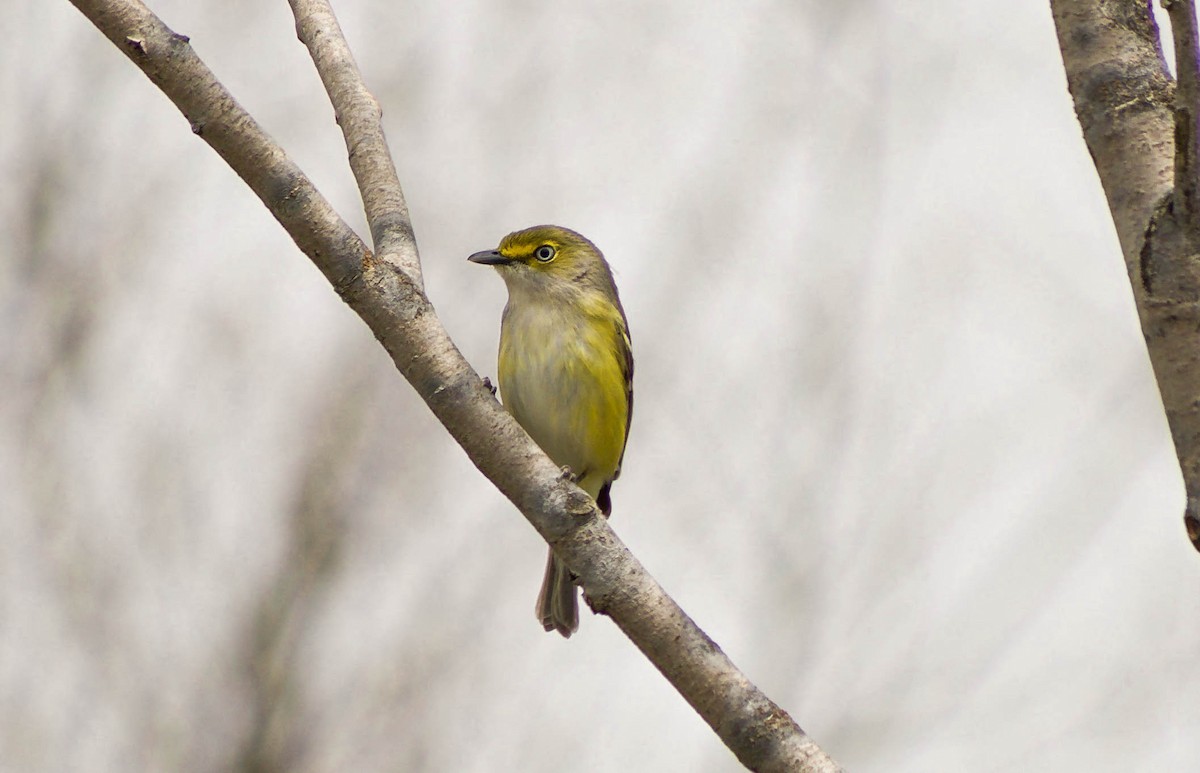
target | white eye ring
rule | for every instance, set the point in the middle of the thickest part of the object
(545, 253)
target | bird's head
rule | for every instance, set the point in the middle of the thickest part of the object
(546, 258)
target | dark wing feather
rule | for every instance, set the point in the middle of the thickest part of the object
(625, 353)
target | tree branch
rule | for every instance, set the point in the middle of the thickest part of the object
(1187, 98)
(358, 113)
(1141, 131)
(390, 300)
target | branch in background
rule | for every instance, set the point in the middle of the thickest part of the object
(1141, 131)
(316, 531)
(391, 302)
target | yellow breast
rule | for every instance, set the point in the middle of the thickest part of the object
(561, 376)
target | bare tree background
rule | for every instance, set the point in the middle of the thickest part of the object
(898, 446)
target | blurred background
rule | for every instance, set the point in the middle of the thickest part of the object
(897, 446)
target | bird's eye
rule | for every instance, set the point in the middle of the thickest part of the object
(545, 253)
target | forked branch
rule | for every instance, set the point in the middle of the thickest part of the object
(358, 113)
(387, 294)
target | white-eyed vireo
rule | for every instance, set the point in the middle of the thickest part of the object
(565, 371)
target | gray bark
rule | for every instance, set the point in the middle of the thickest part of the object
(1140, 127)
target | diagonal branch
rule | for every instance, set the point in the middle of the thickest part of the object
(391, 302)
(358, 114)
(1141, 131)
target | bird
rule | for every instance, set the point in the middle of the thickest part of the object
(565, 372)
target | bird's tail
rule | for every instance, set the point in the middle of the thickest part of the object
(557, 608)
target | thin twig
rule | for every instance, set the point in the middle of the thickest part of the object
(762, 735)
(359, 114)
(1187, 104)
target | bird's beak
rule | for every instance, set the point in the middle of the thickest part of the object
(489, 258)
